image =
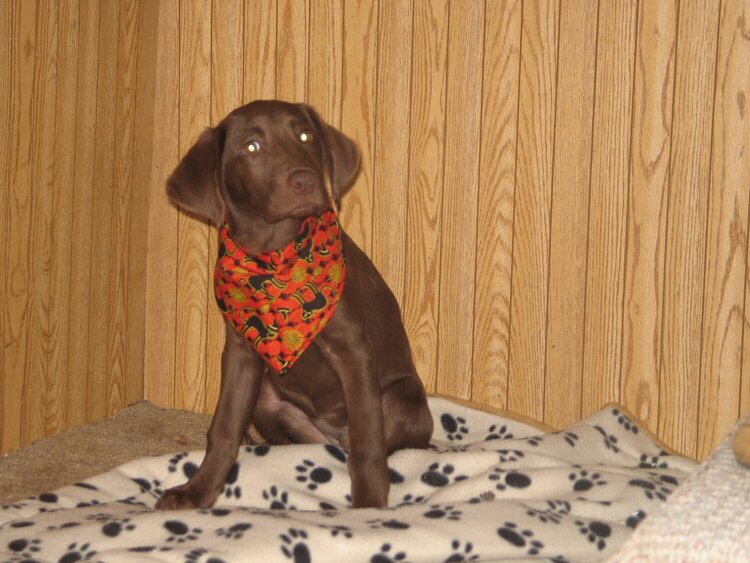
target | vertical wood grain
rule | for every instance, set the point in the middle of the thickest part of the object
(292, 37)
(721, 351)
(686, 224)
(528, 328)
(161, 305)
(102, 202)
(607, 215)
(259, 50)
(497, 173)
(6, 100)
(325, 59)
(82, 194)
(226, 94)
(653, 89)
(461, 186)
(117, 367)
(391, 125)
(358, 95)
(576, 65)
(62, 213)
(193, 235)
(424, 197)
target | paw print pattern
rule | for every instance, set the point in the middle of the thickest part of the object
(336, 530)
(116, 527)
(571, 438)
(462, 554)
(179, 532)
(259, 450)
(25, 548)
(448, 512)
(294, 547)
(230, 489)
(635, 519)
(554, 512)
(496, 432)
(583, 481)
(520, 538)
(455, 427)
(410, 499)
(390, 523)
(235, 531)
(595, 531)
(312, 475)
(508, 456)
(610, 441)
(435, 476)
(175, 460)
(77, 552)
(624, 421)
(534, 440)
(504, 479)
(336, 452)
(654, 461)
(279, 499)
(386, 556)
(655, 485)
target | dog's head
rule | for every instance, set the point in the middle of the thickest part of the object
(266, 159)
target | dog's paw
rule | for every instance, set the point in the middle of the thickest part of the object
(182, 497)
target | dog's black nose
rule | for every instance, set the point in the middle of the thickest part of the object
(302, 181)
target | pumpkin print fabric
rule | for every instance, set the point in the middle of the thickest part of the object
(280, 300)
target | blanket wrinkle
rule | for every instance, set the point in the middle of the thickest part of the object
(488, 488)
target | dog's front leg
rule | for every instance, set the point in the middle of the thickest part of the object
(346, 348)
(241, 373)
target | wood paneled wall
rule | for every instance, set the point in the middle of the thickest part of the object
(76, 97)
(557, 192)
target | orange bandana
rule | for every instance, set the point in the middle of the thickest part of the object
(280, 300)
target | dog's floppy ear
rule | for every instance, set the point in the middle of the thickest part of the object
(194, 184)
(341, 154)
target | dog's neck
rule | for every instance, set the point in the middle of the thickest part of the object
(259, 235)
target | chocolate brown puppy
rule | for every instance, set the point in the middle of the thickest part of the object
(315, 348)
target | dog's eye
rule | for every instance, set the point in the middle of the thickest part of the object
(253, 147)
(305, 136)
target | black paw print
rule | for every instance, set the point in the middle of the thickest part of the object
(410, 499)
(635, 519)
(654, 461)
(312, 475)
(279, 499)
(583, 481)
(294, 546)
(385, 555)
(230, 489)
(610, 441)
(435, 476)
(534, 440)
(175, 460)
(595, 531)
(25, 548)
(179, 532)
(655, 486)
(116, 527)
(235, 531)
(507, 456)
(336, 530)
(336, 452)
(498, 433)
(454, 427)
(557, 509)
(571, 438)
(390, 523)
(520, 538)
(77, 553)
(260, 450)
(147, 486)
(624, 421)
(443, 511)
(506, 479)
(462, 555)
(395, 477)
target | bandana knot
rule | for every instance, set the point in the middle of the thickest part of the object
(280, 300)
